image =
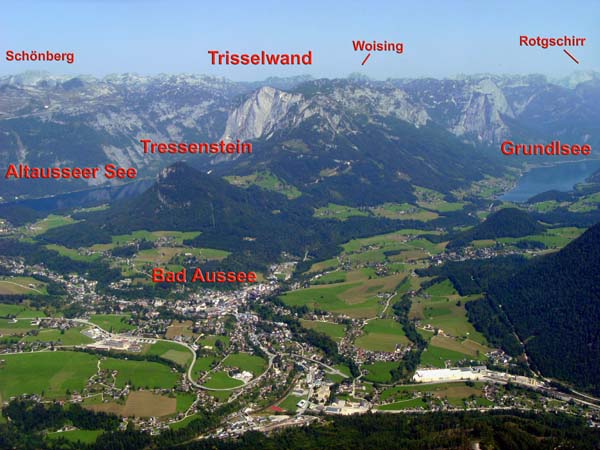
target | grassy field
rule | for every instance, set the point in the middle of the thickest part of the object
(211, 340)
(177, 236)
(330, 278)
(267, 181)
(454, 393)
(442, 308)
(389, 240)
(338, 212)
(171, 351)
(52, 221)
(8, 328)
(81, 436)
(411, 403)
(465, 346)
(141, 374)
(329, 299)
(290, 402)
(183, 423)
(442, 289)
(586, 204)
(357, 297)
(114, 323)
(328, 264)
(379, 372)
(49, 372)
(433, 200)
(72, 253)
(202, 364)
(221, 380)
(19, 310)
(245, 361)
(139, 404)
(434, 356)
(335, 331)
(72, 336)
(178, 328)
(158, 256)
(21, 285)
(382, 335)
(403, 211)
(184, 401)
(551, 238)
(162, 255)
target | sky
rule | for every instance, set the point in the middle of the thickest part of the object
(441, 38)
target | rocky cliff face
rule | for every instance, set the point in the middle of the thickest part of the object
(268, 110)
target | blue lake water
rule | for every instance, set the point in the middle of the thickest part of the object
(559, 177)
(84, 199)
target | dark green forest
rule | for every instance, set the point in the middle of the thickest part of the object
(494, 430)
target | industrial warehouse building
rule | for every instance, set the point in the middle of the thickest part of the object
(452, 374)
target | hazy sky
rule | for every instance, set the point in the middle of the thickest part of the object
(441, 38)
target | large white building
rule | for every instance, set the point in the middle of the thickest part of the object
(451, 374)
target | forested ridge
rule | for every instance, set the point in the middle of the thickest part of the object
(461, 430)
(552, 302)
(554, 305)
(507, 222)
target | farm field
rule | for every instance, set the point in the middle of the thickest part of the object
(20, 327)
(51, 221)
(178, 328)
(211, 341)
(221, 380)
(403, 211)
(433, 200)
(72, 253)
(442, 308)
(467, 346)
(72, 336)
(141, 374)
(245, 361)
(290, 402)
(324, 265)
(330, 278)
(356, 298)
(176, 236)
(455, 393)
(267, 181)
(338, 212)
(184, 401)
(19, 310)
(379, 372)
(434, 356)
(335, 331)
(114, 323)
(411, 403)
(82, 436)
(329, 299)
(139, 404)
(21, 285)
(382, 335)
(49, 372)
(202, 364)
(551, 238)
(169, 350)
(586, 204)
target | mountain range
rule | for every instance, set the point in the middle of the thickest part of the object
(428, 132)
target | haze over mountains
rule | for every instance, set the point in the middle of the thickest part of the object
(422, 132)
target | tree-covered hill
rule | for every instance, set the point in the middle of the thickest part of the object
(554, 305)
(507, 222)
